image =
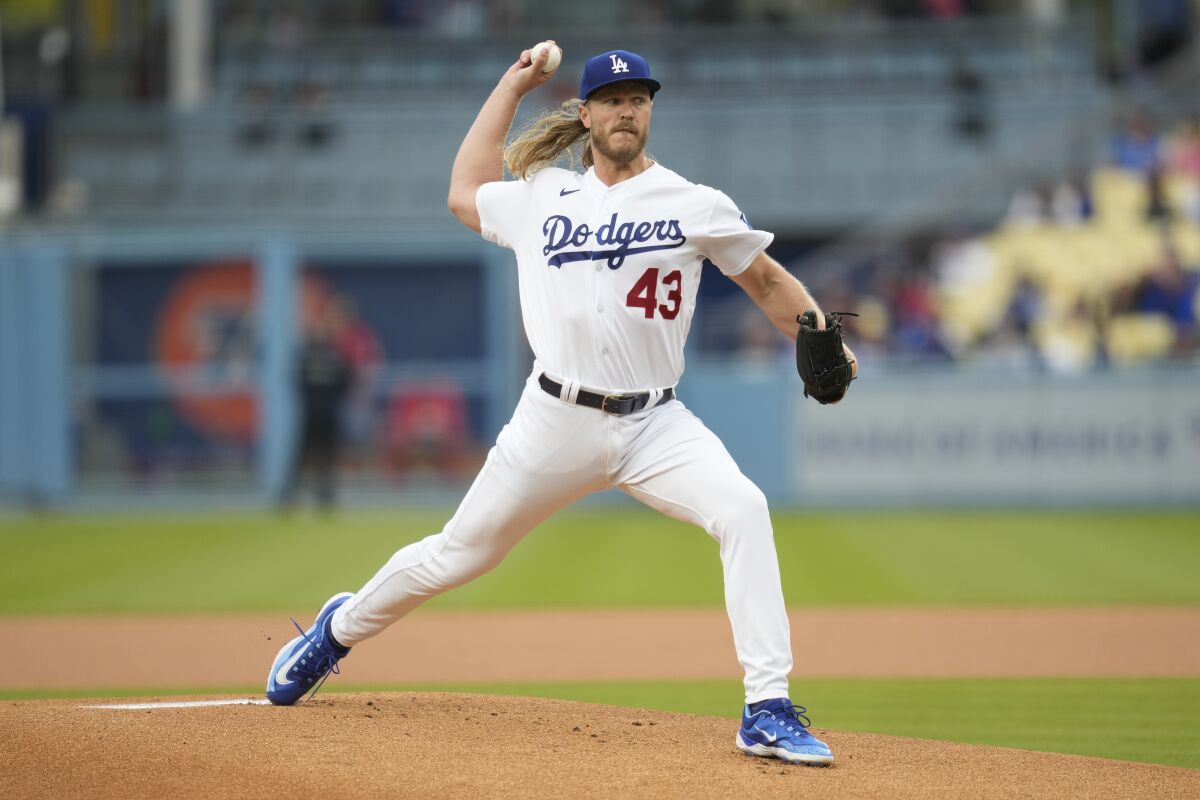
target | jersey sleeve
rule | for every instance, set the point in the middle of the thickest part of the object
(502, 207)
(729, 240)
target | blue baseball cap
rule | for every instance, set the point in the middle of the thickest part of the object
(615, 66)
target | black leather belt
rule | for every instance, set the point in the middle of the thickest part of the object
(618, 404)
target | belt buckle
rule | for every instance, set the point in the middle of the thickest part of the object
(616, 398)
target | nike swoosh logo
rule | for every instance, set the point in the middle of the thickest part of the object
(770, 737)
(564, 192)
(281, 674)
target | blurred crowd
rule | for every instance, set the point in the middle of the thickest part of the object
(1053, 285)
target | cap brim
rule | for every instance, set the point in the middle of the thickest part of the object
(650, 83)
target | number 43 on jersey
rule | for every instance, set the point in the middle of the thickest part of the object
(645, 292)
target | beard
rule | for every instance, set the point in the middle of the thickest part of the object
(625, 149)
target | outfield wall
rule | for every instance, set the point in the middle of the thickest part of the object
(964, 438)
(108, 388)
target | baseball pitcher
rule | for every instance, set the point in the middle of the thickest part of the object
(609, 262)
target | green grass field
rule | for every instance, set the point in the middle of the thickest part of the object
(628, 557)
(604, 558)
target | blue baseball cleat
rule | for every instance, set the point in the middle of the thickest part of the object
(303, 663)
(780, 730)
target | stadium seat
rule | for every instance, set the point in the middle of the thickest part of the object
(1139, 337)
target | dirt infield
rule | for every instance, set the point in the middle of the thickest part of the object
(442, 745)
(445, 745)
(439, 647)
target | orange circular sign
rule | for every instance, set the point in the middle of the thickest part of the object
(206, 338)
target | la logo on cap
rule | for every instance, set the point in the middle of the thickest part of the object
(615, 66)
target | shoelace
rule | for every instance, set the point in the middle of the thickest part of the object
(324, 666)
(790, 714)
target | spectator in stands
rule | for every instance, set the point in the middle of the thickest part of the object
(1158, 207)
(1026, 307)
(916, 329)
(1170, 291)
(1184, 149)
(1184, 162)
(1136, 145)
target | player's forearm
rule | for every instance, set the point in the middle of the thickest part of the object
(785, 301)
(480, 157)
(778, 294)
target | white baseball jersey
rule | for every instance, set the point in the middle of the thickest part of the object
(608, 283)
(608, 274)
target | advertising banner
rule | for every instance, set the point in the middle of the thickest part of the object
(963, 439)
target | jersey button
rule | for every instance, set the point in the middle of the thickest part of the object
(600, 309)
(599, 267)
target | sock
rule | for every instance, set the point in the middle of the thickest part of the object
(757, 707)
(337, 646)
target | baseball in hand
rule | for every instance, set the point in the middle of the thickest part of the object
(552, 60)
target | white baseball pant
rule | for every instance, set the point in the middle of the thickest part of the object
(551, 454)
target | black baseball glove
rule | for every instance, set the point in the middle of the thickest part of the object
(821, 359)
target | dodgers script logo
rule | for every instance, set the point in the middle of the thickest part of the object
(561, 232)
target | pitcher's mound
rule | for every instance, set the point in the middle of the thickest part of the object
(454, 745)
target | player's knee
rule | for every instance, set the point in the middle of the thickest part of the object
(480, 563)
(743, 511)
(447, 563)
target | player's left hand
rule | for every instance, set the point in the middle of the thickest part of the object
(825, 363)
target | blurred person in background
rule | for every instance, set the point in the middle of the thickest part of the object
(1184, 161)
(1136, 146)
(916, 327)
(1012, 343)
(324, 378)
(1172, 292)
(1158, 205)
(361, 349)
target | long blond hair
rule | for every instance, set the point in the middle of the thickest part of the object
(546, 138)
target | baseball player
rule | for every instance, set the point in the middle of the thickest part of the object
(609, 262)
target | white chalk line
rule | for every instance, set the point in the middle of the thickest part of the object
(187, 704)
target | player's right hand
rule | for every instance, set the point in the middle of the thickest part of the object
(526, 74)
